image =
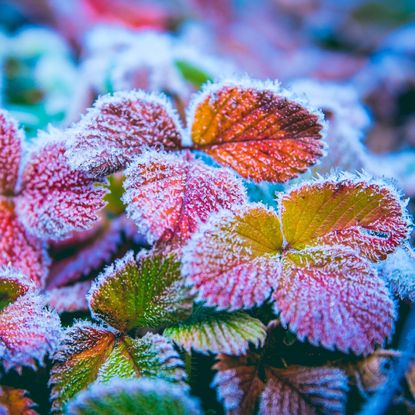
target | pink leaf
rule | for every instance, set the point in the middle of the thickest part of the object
(332, 297)
(117, 129)
(169, 195)
(28, 331)
(54, 199)
(10, 153)
(24, 251)
(238, 251)
(69, 299)
(93, 254)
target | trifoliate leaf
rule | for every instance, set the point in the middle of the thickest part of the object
(54, 199)
(354, 211)
(217, 332)
(118, 128)
(28, 330)
(25, 252)
(257, 129)
(234, 250)
(248, 382)
(15, 402)
(10, 153)
(149, 292)
(89, 353)
(134, 397)
(169, 195)
(321, 256)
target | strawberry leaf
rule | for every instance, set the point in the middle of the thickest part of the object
(15, 402)
(329, 235)
(257, 129)
(248, 382)
(26, 252)
(234, 250)
(150, 356)
(55, 199)
(304, 390)
(10, 153)
(117, 129)
(147, 293)
(138, 396)
(89, 353)
(28, 330)
(187, 192)
(333, 297)
(69, 299)
(217, 332)
(364, 214)
(83, 350)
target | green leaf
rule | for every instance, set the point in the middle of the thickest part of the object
(217, 332)
(193, 74)
(90, 353)
(148, 293)
(134, 397)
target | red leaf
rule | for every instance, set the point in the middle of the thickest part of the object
(169, 195)
(332, 297)
(24, 251)
(54, 199)
(10, 153)
(117, 129)
(28, 332)
(69, 299)
(257, 129)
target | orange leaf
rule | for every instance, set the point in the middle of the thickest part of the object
(256, 129)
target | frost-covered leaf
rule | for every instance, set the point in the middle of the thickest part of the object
(83, 350)
(117, 129)
(399, 272)
(15, 402)
(248, 382)
(217, 332)
(304, 390)
(69, 299)
(364, 214)
(332, 297)
(28, 331)
(134, 397)
(10, 153)
(257, 129)
(149, 292)
(237, 251)
(94, 252)
(168, 195)
(150, 356)
(25, 252)
(89, 353)
(13, 284)
(322, 286)
(54, 199)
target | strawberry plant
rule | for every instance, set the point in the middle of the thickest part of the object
(181, 253)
